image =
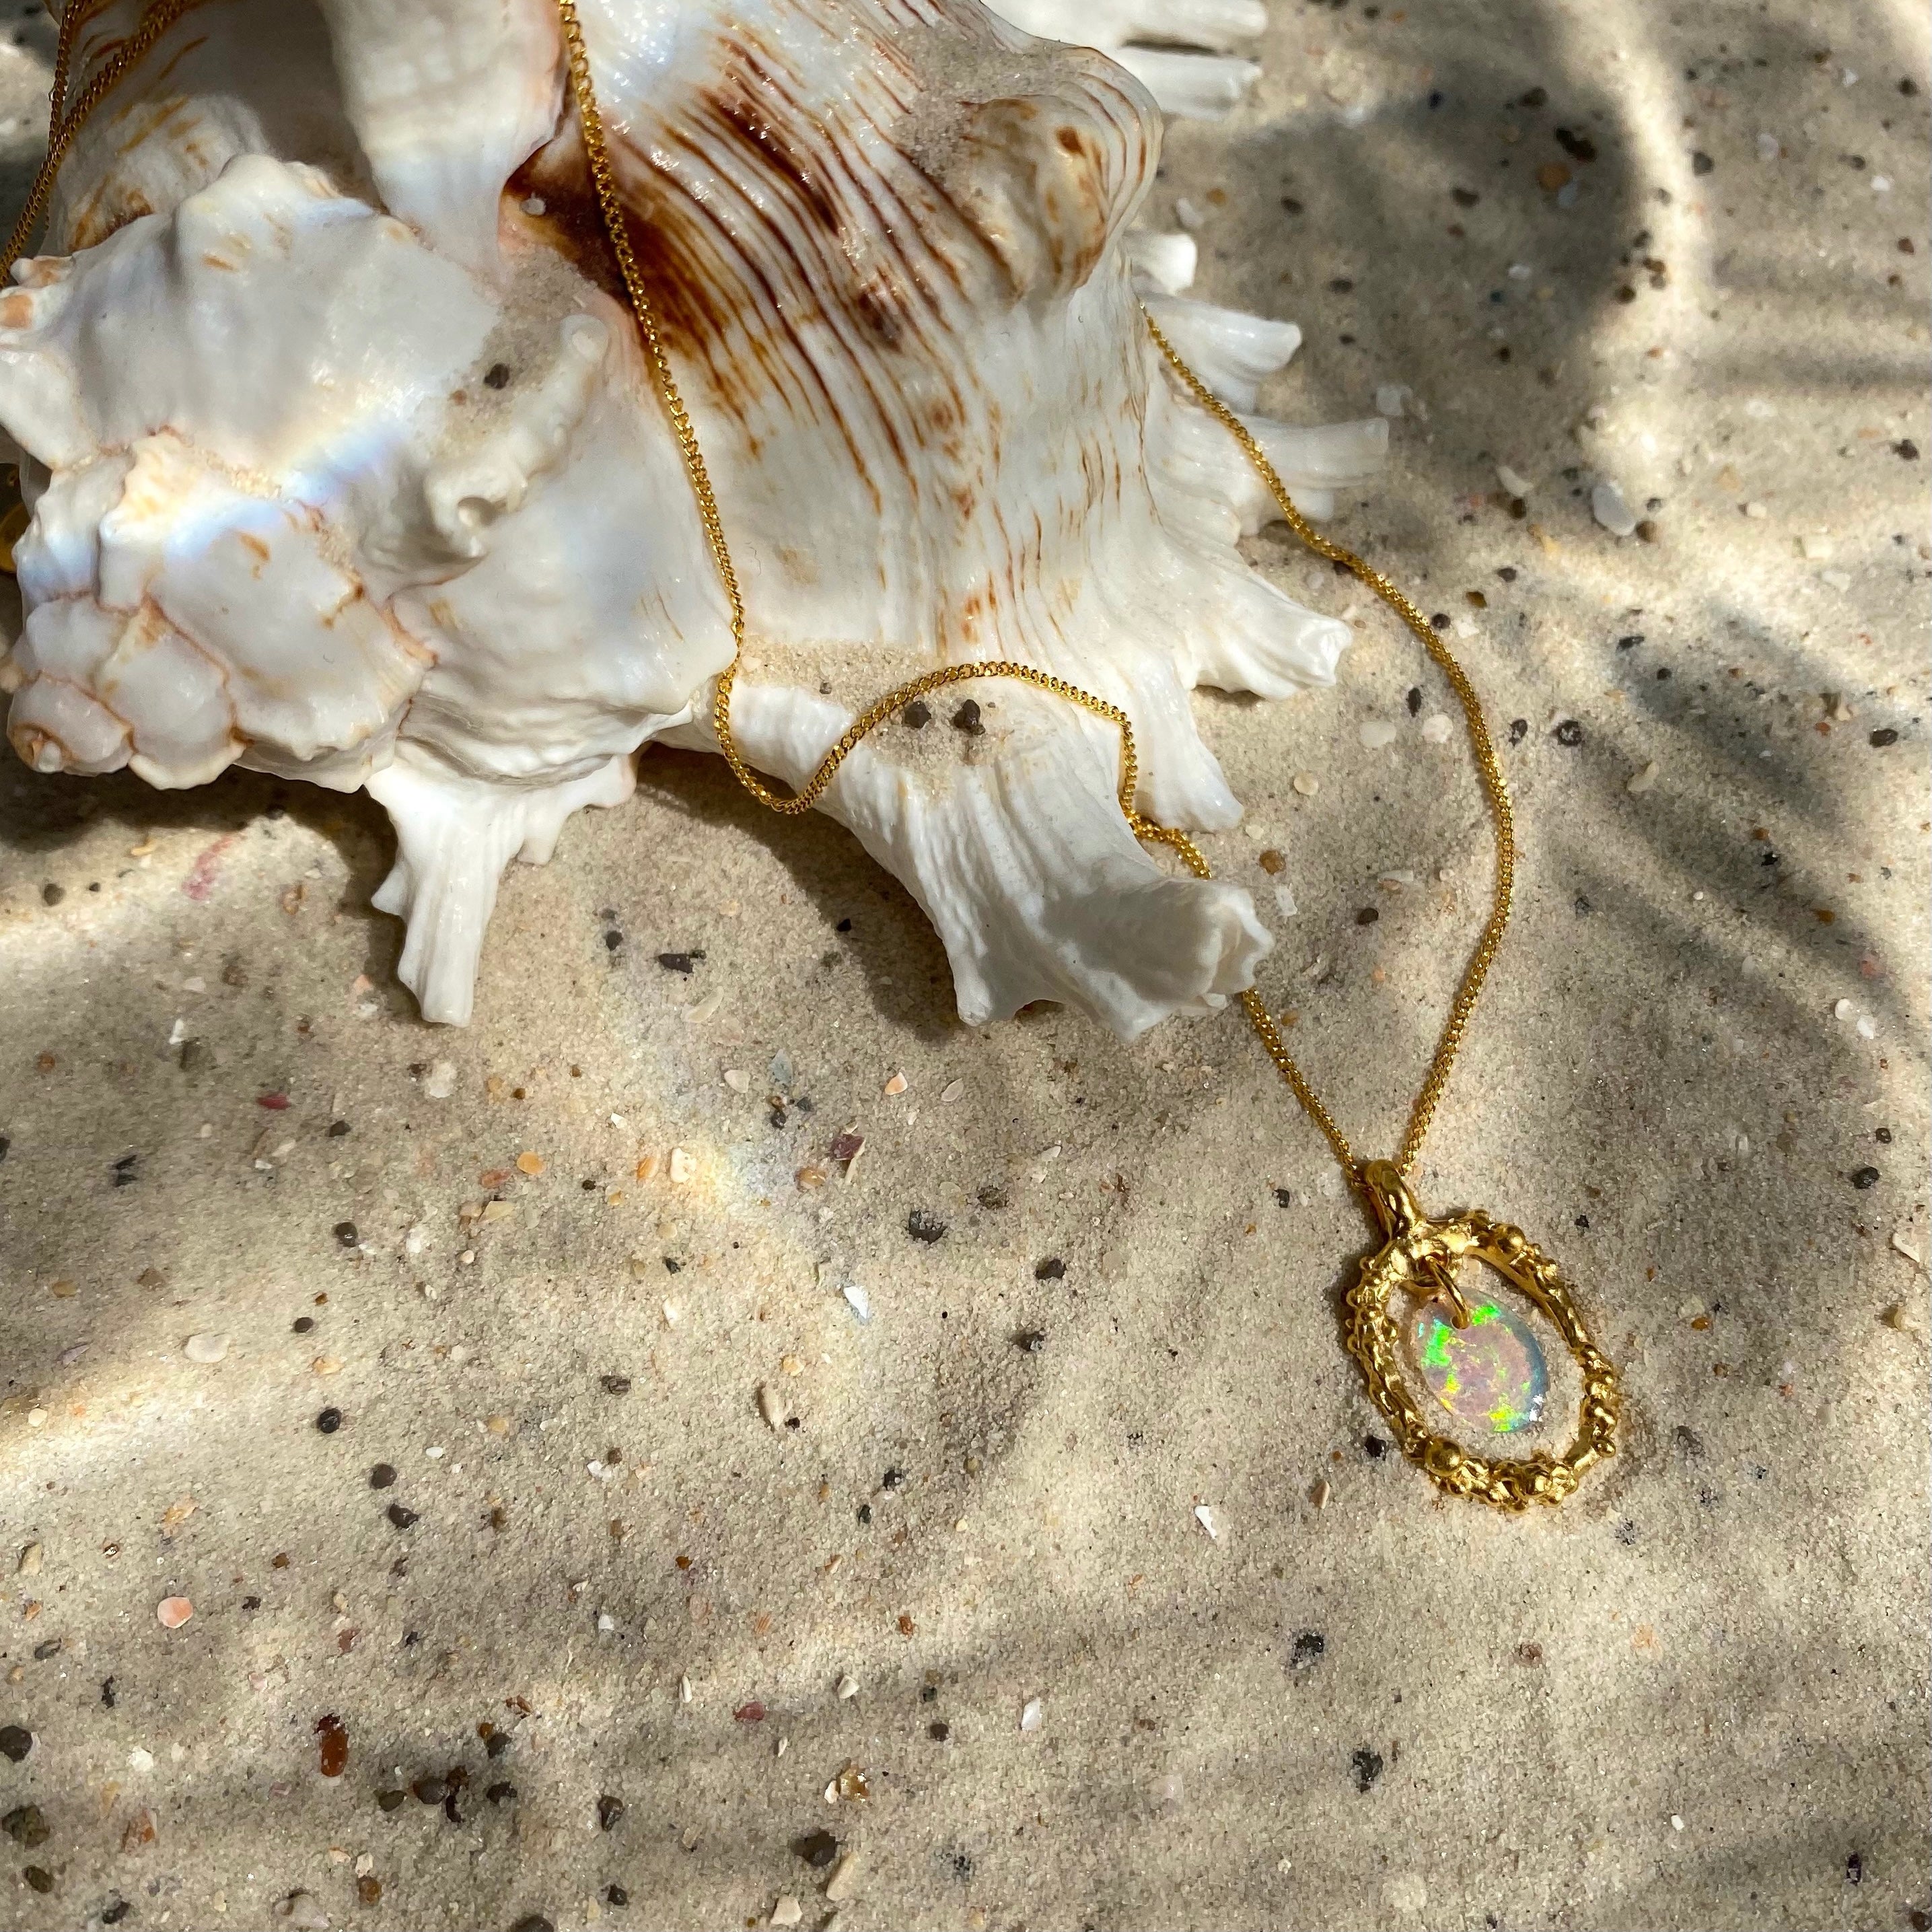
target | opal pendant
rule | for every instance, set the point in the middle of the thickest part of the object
(1490, 1374)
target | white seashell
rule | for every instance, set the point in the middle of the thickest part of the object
(1146, 37)
(344, 463)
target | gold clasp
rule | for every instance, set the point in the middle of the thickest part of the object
(1401, 1218)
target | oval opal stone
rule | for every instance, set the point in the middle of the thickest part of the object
(1491, 1375)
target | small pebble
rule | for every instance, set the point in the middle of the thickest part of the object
(382, 1476)
(1032, 1714)
(440, 1081)
(206, 1348)
(1052, 1269)
(1436, 728)
(329, 1421)
(610, 1812)
(15, 1741)
(1568, 732)
(967, 719)
(171, 1612)
(923, 1226)
(787, 1912)
(1638, 783)
(27, 1825)
(1378, 732)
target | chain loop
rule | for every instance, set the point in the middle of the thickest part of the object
(64, 125)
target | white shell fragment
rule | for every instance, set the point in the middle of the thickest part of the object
(343, 462)
(1608, 507)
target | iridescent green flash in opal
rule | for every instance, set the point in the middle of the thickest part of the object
(1490, 1374)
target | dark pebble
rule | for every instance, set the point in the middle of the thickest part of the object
(1864, 1177)
(501, 1793)
(615, 1385)
(615, 1895)
(893, 1479)
(865, 1512)
(930, 1694)
(1367, 1766)
(817, 1849)
(1519, 730)
(52, 1647)
(1052, 1269)
(917, 715)
(992, 1198)
(1464, 197)
(1367, 916)
(923, 1226)
(967, 719)
(124, 1175)
(679, 962)
(1701, 163)
(1283, 1198)
(382, 1476)
(401, 1516)
(962, 1865)
(304, 1325)
(1537, 96)
(1507, 573)
(1631, 642)
(390, 1801)
(610, 1812)
(329, 1421)
(1882, 1135)
(1884, 735)
(496, 1744)
(1439, 621)
(612, 940)
(345, 1233)
(1855, 1869)
(16, 1740)
(112, 1914)
(1907, 449)
(1578, 147)
(248, 1603)
(51, 894)
(1569, 733)
(1307, 1654)
(25, 1825)
(38, 1877)
(1414, 701)
(107, 1692)
(432, 1789)
(939, 1730)
(1031, 1340)
(338, 1129)
(533, 1921)
(1374, 1447)
(498, 376)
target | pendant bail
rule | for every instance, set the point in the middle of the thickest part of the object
(1388, 1194)
(1395, 1207)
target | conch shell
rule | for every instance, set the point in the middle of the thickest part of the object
(344, 462)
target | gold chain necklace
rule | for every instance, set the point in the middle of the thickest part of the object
(1418, 1256)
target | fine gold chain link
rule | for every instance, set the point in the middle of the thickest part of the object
(62, 128)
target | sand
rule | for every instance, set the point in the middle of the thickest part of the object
(1695, 1697)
